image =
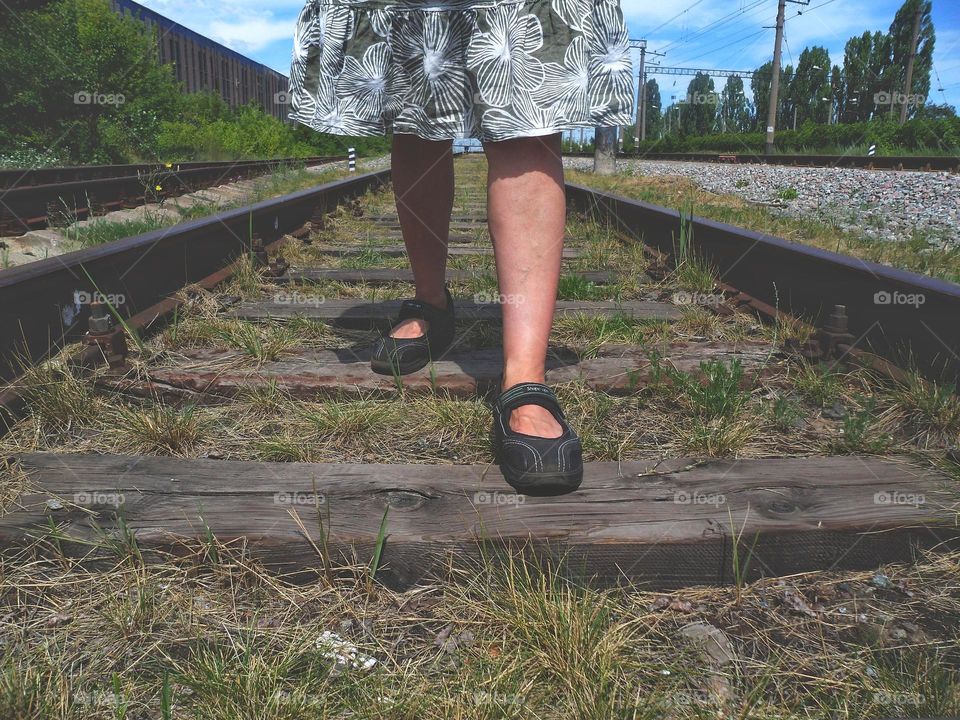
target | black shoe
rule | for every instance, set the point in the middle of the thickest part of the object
(535, 465)
(401, 356)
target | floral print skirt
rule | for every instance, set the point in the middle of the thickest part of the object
(486, 69)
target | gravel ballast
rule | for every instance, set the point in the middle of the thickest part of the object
(884, 204)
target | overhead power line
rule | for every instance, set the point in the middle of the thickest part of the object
(720, 21)
(679, 14)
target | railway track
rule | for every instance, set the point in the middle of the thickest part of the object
(30, 197)
(252, 412)
(929, 163)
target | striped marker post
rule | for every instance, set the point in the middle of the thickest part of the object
(872, 151)
(352, 159)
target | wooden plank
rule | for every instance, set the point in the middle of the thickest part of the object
(382, 276)
(211, 375)
(661, 527)
(400, 250)
(361, 313)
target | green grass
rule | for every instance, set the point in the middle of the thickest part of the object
(101, 231)
(577, 287)
(210, 634)
(261, 343)
(820, 384)
(161, 429)
(588, 333)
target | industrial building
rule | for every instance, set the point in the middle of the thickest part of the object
(202, 64)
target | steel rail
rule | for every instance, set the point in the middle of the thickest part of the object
(25, 177)
(45, 302)
(909, 319)
(27, 207)
(938, 163)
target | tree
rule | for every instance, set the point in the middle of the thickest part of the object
(734, 106)
(699, 110)
(901, 39)
(809, 85)
(654, 117)
(836, 93)
(80, 76)
(866, 70)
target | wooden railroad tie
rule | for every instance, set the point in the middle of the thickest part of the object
(383, 276)
(663, 525)
(400, 250)
(370, 314)
(214, 375)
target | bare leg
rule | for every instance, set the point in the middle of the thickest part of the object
(526, 210)
(423, 188)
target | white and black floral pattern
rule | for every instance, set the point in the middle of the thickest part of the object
(444, 69)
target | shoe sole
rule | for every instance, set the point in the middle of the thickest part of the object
(385, 367)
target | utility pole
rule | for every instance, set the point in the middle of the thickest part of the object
(775, 81)
(641, 127)
(908, 83)
(641, 133)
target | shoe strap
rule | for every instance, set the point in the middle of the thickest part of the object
(413, 308)
(528, 393)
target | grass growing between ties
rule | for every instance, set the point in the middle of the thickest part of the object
(211, 634)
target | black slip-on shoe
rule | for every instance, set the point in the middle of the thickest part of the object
(401, 356)
(535, 465)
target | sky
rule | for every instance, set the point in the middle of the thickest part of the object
(718, 34)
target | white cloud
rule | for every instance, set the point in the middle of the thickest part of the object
(252, 34)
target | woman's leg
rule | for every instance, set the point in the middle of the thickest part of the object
(423, 188)
(526, 211)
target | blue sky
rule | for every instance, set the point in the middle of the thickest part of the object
(722, 34)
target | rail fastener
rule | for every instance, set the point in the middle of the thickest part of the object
(835, 333)
(106, 336)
